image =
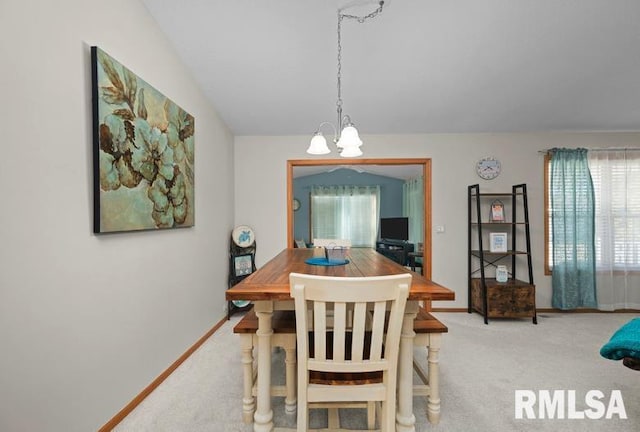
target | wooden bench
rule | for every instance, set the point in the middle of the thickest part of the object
(284, 336)
(428, 332)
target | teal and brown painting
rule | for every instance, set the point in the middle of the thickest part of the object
(143, 153)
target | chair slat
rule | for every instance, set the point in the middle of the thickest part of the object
(339, 329)
(379, 312)
(319, 330)
(359, 322)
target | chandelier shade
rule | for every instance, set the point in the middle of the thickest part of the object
(349, 137)
(351, 152)
(318, 145)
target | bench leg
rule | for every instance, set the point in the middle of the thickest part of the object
(248, 402)
(290, 378)
(433, 400)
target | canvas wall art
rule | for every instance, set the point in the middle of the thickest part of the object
(143, 153)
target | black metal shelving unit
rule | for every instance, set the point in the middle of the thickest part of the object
(514, 298)
(237, 274)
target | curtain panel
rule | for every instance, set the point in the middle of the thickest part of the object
(572, 230)
(346, 212)
(413, 208)
(616, 177)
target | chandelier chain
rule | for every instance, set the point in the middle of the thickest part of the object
(360, 19)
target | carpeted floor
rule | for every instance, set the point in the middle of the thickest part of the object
(481, 368)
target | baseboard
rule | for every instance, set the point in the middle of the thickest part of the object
(547, 310)
(585, 310)
(156, 382)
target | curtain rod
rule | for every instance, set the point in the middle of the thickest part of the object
(601, 149)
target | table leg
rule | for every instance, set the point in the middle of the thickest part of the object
(405, 420)
(263, 417)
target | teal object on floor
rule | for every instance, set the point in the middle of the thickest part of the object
(625, 342)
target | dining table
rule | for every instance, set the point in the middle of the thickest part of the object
(268, 289)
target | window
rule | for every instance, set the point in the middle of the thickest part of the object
(346, 212)
(616, 183)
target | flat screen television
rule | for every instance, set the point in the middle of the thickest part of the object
(396, 228)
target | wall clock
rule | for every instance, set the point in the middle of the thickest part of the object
(488, 168)
(296, 204)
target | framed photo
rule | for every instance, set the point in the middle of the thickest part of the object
(497, 242)
(243, 265)
(497, 211)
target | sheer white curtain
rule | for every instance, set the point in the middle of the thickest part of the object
(616, 181)
(413, 208)
(346, 212)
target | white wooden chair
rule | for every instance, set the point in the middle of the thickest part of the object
(332, 360)
(344, 243)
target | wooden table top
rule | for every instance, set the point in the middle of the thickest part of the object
(271, 282)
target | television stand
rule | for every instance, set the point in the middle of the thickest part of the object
(396, 250)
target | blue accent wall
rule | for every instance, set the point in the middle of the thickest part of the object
(390, 194)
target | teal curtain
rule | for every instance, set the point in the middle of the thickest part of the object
(413, 208)
(572, 230)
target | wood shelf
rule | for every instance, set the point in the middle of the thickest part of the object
(511, 299)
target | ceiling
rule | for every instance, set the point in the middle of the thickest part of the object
(421, 66)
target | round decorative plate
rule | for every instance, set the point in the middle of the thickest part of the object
(243, 236)
(240, 303)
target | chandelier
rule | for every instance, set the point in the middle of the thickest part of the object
(348, 142)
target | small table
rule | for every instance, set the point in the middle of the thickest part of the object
(268, 289)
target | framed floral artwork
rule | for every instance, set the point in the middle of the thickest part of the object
(143, 153)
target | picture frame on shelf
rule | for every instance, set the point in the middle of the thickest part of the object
(497, 242)
(243, 265)
(497, 211)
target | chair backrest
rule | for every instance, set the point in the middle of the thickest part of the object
(331, 243)
(366, 315)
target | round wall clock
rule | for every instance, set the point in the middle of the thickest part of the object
(243, 236)
(296, 204)
(488, 168)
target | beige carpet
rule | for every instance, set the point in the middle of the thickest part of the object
(481, 368)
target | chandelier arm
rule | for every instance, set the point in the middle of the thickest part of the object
(335, 131)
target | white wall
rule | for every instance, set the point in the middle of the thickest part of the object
(260, 182)
(86, 321)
